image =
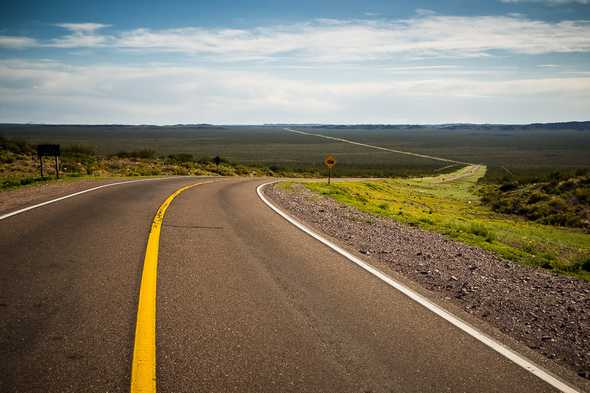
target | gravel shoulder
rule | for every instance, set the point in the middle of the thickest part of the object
(21, 197)
(548, 313)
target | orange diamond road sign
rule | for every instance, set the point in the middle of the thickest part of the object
(329, 161)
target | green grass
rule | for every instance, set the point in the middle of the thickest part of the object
(450, 204)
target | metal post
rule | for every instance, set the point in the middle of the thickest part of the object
(329, 174)
(57, 166)
(41, 162)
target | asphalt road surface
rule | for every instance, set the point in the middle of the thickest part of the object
(246, 302)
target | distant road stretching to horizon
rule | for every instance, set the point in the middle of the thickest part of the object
(407, 153)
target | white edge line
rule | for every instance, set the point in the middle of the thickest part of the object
(441, 312)
(14, 213)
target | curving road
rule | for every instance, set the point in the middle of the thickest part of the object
(246, 302)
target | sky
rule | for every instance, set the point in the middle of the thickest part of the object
(256, 62)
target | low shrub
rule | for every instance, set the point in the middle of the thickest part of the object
(558, 201)
(143, 153)
(481, 231)
(181, 158)
(14, 182)
(76, 151)
(16, 146)
(582, 265)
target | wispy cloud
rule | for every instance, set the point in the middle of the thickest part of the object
(431, 36)
(330, 40)
(424, 12)
(16, 42)
(53, 91)
(548, 2)
(324, 70)
(83, 35)
(323, 41)
(86, 28)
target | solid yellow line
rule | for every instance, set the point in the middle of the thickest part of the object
(143, 367)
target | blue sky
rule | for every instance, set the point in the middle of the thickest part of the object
(497, 61)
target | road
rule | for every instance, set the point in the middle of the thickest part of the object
(246, 302)
(351, 142)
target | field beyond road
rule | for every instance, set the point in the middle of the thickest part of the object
(532, 150)
(451, 204)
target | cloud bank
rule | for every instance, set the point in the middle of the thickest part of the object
(45, 91)
(548, 2)
(427, 36)
(427, 69)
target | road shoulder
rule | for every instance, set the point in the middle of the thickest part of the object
(21, 197)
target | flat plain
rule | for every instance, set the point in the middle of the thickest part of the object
(505, 150)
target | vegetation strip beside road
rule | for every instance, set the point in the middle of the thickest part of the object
(19, 165)
(451, 205)
(143, 367)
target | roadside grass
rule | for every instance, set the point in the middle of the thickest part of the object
(450, 204)
(78, 162)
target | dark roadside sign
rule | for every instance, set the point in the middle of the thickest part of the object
(48, 150)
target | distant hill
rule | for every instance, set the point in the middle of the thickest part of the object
(570, 125)
(127, 126)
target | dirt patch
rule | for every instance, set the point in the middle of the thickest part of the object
(547, 312)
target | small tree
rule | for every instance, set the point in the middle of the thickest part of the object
(217, 160)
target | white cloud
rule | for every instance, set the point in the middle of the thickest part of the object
(16, 42)
(78, 41)
(83, 27)
(424, 12)
(56, 92)
(336, 41)
(548, 2)
(82, 35)
(321, 71)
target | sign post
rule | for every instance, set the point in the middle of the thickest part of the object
(329, 161)
(49, 150)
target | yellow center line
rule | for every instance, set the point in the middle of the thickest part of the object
(143, 366)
